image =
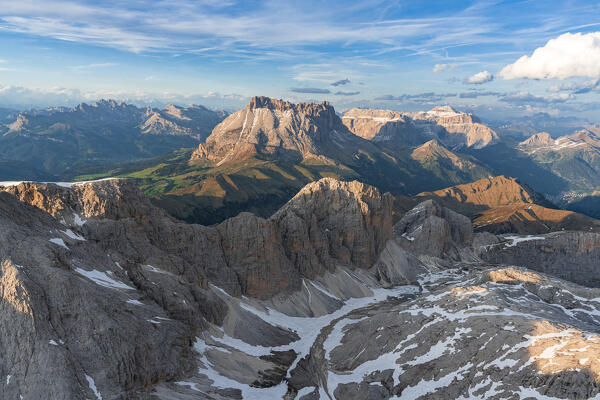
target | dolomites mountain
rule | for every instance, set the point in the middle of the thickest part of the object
(541, 139)
(62, 140)
(575, 158)
(195, 121)
(102, 295)
(262, 154)
(383, 125)
(446, 165)
(503, 205)
(278, 128)
(452, 128)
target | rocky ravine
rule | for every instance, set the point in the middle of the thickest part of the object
(104, 296)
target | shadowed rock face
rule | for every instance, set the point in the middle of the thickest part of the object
(573, 256)
(86, 267)
(433, 230)
(103, 294)
(327, 223)
(330, 222)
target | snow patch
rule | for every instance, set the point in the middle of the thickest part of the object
(515, 240)
(304, 391)
(58, 242)
(73, 235)
(102, 279)
(77, 220)
(92, 386)
(223, 382)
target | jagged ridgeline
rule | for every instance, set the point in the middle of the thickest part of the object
(260, 156)
(61, 142)
(105, 296)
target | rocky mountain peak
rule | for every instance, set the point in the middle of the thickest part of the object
(585, 135)
(176, 112)
(537, 140)
(20, 123)
(443, 111)
(492, 191)
(432, 149)
(268, 126)
(432, 144)
(258, 102)
(353, 215)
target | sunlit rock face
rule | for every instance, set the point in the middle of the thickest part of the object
(453, 129)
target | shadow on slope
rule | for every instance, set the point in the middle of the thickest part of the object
(503, 159)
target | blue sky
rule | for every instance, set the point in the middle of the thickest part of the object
(404, 55)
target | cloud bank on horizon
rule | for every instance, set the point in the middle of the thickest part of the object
(382, 53)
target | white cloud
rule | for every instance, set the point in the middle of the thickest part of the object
(444, 67)
(576, 87)
(569, 55)
(479, 78)
(22, 97)
(529, 98)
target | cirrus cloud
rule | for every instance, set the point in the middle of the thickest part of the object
(569, 55)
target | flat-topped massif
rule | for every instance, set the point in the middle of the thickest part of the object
(452, 128)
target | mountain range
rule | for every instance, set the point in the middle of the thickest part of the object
(259, 156)
(256, 158)
(288, 252)
(57, 140)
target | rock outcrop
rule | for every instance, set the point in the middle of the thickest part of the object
(504, 333)
(330, 222)
(433, 230)
(327, 223)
